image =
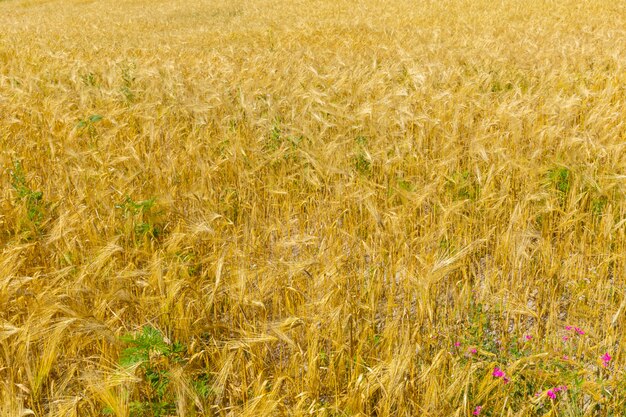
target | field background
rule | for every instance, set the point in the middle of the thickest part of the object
(256, 208)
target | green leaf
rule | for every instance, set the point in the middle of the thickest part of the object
(95, 118)
(133, 356)
(149, 340)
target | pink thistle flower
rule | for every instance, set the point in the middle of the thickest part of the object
(606, 358)
(477, 410)
(551, 394)
(497, 372)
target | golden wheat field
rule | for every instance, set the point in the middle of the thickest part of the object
(312, 208)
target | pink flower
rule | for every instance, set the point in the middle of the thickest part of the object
(473, 351)
(565, 357)
(551, 393)
(499, 373)
(568, 328)
(606, 358)
(477, 410)
(457, 344)
(528, 337)
(579, 331)
(565, 338)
